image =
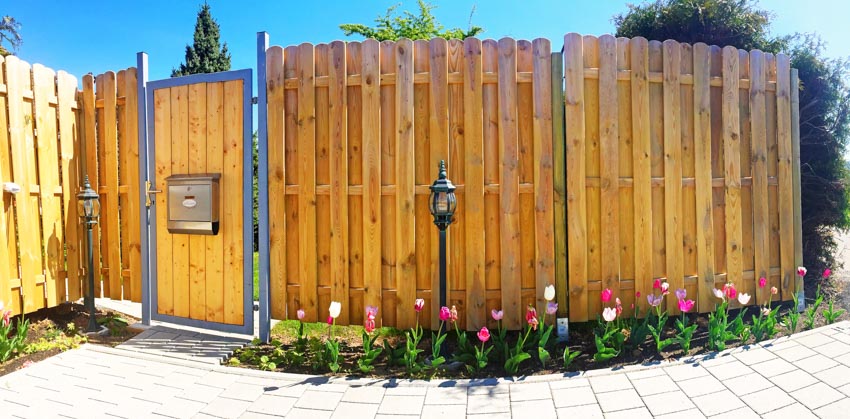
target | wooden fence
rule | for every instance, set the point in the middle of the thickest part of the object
(355, 134)
(45, 127)
(679, 166)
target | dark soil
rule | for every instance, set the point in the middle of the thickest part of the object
(53, 324)
(581, 339)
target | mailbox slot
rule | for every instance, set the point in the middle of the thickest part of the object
(193, 202)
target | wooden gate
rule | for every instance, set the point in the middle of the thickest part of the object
(201, 124)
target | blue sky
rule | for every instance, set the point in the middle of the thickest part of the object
(105, 35)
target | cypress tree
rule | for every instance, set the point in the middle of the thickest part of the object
(206, 54)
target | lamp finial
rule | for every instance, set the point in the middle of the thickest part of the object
(443, 174)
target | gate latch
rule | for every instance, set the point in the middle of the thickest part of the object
(148, 192)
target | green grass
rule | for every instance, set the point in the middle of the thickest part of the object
(256, 276)
(288, 329)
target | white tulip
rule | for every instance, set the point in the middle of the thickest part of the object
(549, 293)
(718, 293)
(743, 298)
(334, 309)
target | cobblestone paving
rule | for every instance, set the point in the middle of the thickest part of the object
(804, 376)
(185, 344)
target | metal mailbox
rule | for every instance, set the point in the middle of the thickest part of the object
(193, 202)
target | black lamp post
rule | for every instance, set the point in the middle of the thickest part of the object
(442, 204)
(88, 205)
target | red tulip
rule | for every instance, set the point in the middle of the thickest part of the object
(483, 334)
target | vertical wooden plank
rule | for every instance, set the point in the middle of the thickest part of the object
(609, 164)
(292, 162)
(731, 150)
(308, 292)
(231, 187)
(576, 192)
(772, 172)
(70, 157)
(89, 166)
(657, 162)
(371, 105)
(525, 148)
(8, 236)
(702, 173)
(354, 150)
(641, 150)
(761, 237)
(52, 237)
(795, 166)
(474, 183)
(543, 166)
(625, 159)
(784, 173)
(388, 178)
(337, 95)
(438, 125)
(748, 286)
(130, 159)
(673, 169)
(490, 118)
(180, 165)
(559, 198)
(509, 184)
(198, 164)
(120, 85)
(689, 223)
(20, 135)
(456, 281)
(323, 178)
(405, 211)
(718, 168)
(277, 181)
(214, 256)
(592, 157)
(110, 224)
(422, 176)
(164, 255)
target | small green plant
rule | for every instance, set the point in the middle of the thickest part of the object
(609, 339)
(720, 330)
(685, 332)
(116, 324)
(791, 319)
(370, 353)
(411, 349)
(638, 326)
(545, 331)
(517, 355)
(569, 356)
(831, 314)
(332, 344)
(266, 364)
(657, 301)
(16, 343)
(437, 339)
(481, 354)
(465, 351)
(764, 325)
(812, 310)
(500, 340)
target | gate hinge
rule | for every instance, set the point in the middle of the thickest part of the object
(254, 100)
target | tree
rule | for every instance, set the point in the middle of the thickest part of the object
(391, 27)
(206, 54)
(824, 100)
(10, 32)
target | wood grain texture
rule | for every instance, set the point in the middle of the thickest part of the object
(609, 165)
(758, 143)
(371, 99)
(130, 160)
(673, 170)
(180, 155)
(8, 239)
(214, 254)
(795, 166)
(307, 251)
(198, 164)
(89, 163)
(438, 138)
(702, 173)
(732, 166)
(641, 149)
(276, 127)
(576, 192)
(234, 146)
(162, 168)
(405, 210)
(559, 174)
(784, 174)
(543, 161)
(338, 151)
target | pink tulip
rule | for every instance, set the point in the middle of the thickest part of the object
(730, 291)
(801, 270)
(681, 293)
(606, 295)
(774, 291)
(454, 313)
(609, 314)
(483, 334)
(330, 320)
(552, 308)
(665, 288)
(826, 273)
(762, 282)
(637, 295)
(371, 311)
(369, 325)
(497, 314)
(686, 305)
(445, 314)
(300, 314)
(531, 317)
(418, 304)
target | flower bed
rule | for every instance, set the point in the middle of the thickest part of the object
(452, 353)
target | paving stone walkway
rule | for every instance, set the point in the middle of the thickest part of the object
(185, 344)
(804, 376)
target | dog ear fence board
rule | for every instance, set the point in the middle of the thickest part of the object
(605, 164)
